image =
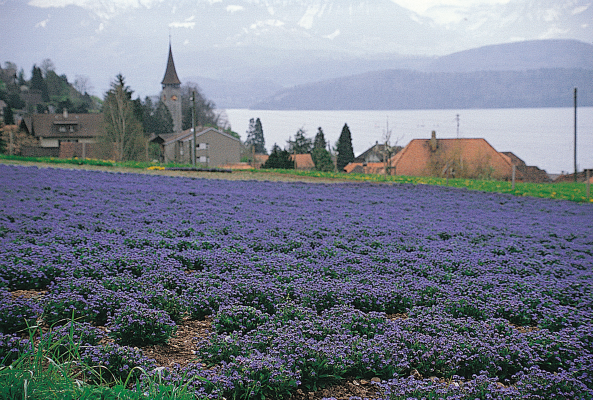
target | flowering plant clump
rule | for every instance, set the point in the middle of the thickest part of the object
(138, 325)
(84, 299)
(238, 318)
(111, 362)
(165, 300)
(16, 314)
(435, 291)
(12, 347)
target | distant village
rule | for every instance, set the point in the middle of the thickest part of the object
(70, 134)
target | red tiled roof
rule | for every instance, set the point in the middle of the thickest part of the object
(471, 157)
(302, 161)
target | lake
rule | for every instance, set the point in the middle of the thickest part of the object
(543, 137)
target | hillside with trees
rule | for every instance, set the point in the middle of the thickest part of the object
(406, 89)
(45, 91)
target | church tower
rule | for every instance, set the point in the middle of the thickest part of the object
(171, 93)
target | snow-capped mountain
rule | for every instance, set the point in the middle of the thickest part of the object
(285, 42)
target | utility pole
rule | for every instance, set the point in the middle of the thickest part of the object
(457, 118)
(193, 124)
(575, 134)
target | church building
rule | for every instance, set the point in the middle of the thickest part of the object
(171, 93)
(212, 147)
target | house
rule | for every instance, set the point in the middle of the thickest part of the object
(377, 168)
(214, 148)
(376, 154)
(528, 173)
(461, 158)
(581, 177)
(302, 162)
(54, 130)
(372, 161)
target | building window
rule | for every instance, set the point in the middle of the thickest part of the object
(204, 159)
(202, 146)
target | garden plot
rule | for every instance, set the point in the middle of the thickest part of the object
(414, 289)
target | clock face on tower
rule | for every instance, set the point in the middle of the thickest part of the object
(174, 98)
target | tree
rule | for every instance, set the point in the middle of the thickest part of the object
(8, 116)
(46, 66)
(301, 144)
(82, 84)
(21, 78)
(122, 127)
(319, 142)
(38, 83)
(255, 137)
(344, 149)
(279, 159)
(157, 120)
(320, 155)
(15, 139)
(205, 109)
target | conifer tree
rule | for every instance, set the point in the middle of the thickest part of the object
(255, 137)
(319, 142)
(301, 144)
(8, 116)
(344, 149)
(156, 120)
(38, 83)
(279, 159)
(320, 155)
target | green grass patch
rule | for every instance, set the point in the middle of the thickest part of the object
(563, 191)
(38, 374)
(92, 161)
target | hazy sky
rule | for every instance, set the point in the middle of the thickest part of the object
(421, 6)
(101, 38)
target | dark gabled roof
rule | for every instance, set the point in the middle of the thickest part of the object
(187, 135)
(48, 125)
(171, 77)
(375, 153)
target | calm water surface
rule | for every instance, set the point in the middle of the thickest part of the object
(540, 136)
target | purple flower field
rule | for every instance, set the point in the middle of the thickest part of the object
(437, 292)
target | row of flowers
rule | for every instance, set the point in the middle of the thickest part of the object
(307, 283)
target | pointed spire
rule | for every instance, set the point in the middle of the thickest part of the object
(171, 77)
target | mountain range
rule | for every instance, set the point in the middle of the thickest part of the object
(523, 74)
(243, 51)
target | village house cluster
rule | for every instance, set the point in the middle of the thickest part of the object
(68, 135)
(450, 158)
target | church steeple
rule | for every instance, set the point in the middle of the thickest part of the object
(170, 77)
(171, 93)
